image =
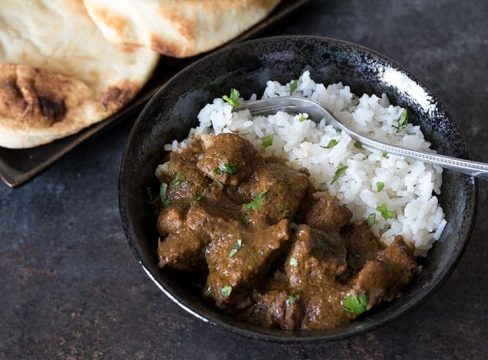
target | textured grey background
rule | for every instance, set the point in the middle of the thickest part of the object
(70, 288)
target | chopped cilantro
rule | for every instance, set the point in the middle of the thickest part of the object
(163, 194)
(385, 154)
(355, 304)
(338, 130)
(232, 99)
(293, 86)
(402, 121)
(339, 172)
(293, 226)
(291, 299)
(267, 141)
(372, 219)
(380, 186)
(245, 219)
(387, 214)
(230, 169)
(257, 202)
(302, 117)
(226, 290)
(235, 248)
(332, 143)
(176, 180)
(358, 145)
(293, 261)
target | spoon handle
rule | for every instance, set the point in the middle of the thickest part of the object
(473, 168)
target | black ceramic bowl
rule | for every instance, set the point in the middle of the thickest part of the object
(247, 66)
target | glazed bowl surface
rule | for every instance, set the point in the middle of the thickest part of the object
(173, 110)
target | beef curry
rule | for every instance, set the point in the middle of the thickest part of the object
(273, 254)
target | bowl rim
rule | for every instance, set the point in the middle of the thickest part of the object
(298, 337)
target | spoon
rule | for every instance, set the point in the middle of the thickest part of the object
(317, 112)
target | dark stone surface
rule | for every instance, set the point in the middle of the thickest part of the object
(70, 288)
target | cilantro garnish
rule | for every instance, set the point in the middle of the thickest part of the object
(293, 226)
(235, 248)
(232, 99)
(293, 261)
(358, 145)
(163, 194)
(385, 154)
(402, 121)
(230, 169)
(338, 130)
(372, 219)
(332, 143)
(176, 180)
(380, 186)
(267, 141)
(387, 214)
(302, 117)
(226, 290)
(355, 304)
(291, 299)
(257, 202)
(339, 172)
(293, 86)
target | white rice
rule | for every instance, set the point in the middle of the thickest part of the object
(409, 186)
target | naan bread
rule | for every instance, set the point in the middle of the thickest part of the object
(58, 74)
(177, 28)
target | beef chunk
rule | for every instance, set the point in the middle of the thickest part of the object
(181, 250)
(314, 256)
(323, 307)
(276, 309)
(328, 214)
(229, 159)
(361, 244)
(384, 278)
(235, 265)
(171, 219)
(280, 188)
(187, 184)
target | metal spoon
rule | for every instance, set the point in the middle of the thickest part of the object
(317, 112)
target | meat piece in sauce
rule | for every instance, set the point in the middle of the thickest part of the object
(280, 309)
(384, 278)
(361, 244)
(187, 184)
(239, 258)
(280, 188)
(314, 255)
(255, 269)
(328, 214)
(229, 159)
(181, 250)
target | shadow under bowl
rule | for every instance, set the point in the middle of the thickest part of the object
(247, 67)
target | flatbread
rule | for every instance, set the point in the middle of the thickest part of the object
(177, 28)
(58, 74)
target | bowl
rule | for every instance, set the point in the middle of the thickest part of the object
(173, 110)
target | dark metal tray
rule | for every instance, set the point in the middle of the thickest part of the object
(19, 166)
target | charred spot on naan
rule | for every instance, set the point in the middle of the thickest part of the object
(164, 47)
(117, 96)
(30, 96)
